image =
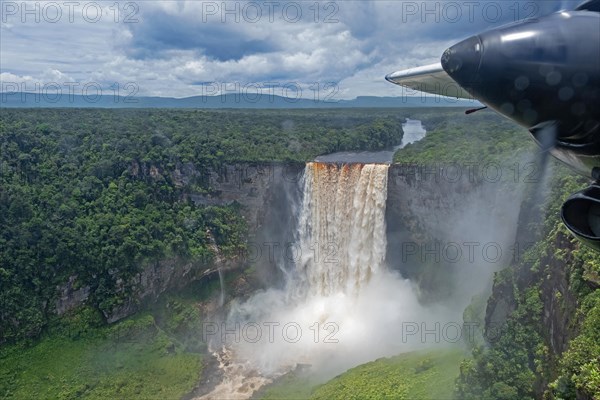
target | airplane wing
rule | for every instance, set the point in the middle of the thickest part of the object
(430, 79)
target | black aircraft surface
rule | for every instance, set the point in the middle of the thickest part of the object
(544, 74)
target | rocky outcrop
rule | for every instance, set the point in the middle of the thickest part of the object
(560, 303)
(148, 285)
(500, 305)
(252, 185)
(70, 296)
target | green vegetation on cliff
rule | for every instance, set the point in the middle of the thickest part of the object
(548, 344)
(98, 194)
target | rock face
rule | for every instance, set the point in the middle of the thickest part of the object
(429, 214)
(560, 304)
(259, 188)
(425, 209)
(449, 230)
(254, 186)
(163, 276)
(70, 297)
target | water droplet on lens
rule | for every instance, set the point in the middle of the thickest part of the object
(566, 93)
(522, 83)
(553, 78)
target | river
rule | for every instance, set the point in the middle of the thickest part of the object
(413, 132)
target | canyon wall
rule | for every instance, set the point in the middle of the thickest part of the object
(438, 225)
(449, 230)
(262, 190)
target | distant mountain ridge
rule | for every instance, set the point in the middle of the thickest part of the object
(241, 101)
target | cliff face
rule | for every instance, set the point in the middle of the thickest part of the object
(163, 276)
(557, 275)
(535, 293)
(450, 230)
(269, 194)
(258, 188)
(437, 229)
(254, 186)
(430, 217)
(559, 302)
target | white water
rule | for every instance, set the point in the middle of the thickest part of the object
(240, 379)
(341, 306)
(222, 285)
(343, 222)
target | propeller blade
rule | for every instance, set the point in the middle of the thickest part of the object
(547, 137)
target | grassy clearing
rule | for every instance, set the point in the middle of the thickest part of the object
(419, 375)
(292, 386)
(134, 359)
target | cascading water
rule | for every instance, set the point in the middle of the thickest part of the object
(342, 226)
(222, 285)
(340, 306)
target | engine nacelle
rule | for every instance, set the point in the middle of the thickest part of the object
(581, 214)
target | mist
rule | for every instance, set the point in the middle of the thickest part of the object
(340, 305)
(354, 288)
(336, 332)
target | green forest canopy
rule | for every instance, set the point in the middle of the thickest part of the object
(73, 201)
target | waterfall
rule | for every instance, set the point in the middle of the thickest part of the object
(342, 226)
(340, 306)
(222, 284)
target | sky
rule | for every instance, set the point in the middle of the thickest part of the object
(312, 49)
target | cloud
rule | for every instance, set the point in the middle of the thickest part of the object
(162, 32)
(167, 47)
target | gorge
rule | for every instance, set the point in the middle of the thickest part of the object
(345, 298)
(162, 239)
